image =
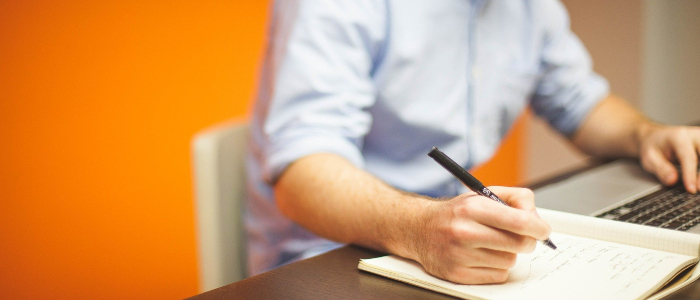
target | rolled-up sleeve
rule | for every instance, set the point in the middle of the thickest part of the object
(569, 89)
(322, 85)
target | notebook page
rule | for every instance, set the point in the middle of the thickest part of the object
(624, 233)
(694, 275)
(584, 269)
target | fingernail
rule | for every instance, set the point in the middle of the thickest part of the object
(534, 212)
(669, 179)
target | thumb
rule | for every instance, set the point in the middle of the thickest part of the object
(520, 198)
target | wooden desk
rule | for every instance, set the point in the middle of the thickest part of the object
(334, 275)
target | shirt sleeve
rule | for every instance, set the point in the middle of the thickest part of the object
(568, 89)
(322, 54)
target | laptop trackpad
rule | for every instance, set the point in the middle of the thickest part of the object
(599, 188)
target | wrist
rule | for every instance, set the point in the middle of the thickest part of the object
(407, 238)
(642, 132)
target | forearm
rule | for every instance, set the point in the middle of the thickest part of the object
(613, 129)
(334, 199)
(467, 239)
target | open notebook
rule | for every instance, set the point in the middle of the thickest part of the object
(599, 259)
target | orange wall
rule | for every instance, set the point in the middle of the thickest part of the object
(505, 168)
(98, 102)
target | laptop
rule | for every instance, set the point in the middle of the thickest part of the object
(623, 191)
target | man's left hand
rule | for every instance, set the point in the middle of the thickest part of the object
(661, 146)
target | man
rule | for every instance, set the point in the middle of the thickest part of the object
(355, 93)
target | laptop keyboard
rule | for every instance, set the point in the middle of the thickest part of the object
(672, 209)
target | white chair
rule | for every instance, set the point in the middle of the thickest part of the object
(219, 184)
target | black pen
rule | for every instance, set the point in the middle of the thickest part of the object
(471, 182)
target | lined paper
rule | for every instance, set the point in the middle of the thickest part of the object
(623, 233)
(583, 269)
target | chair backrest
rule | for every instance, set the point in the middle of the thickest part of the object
(219, 179)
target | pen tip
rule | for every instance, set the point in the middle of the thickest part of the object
(549, 244)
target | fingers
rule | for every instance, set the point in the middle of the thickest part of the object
(695, 141)
(516, 197)
(480, 266)
(654, 162)
(486, 258)
(661, 145)
(500, 240)
(510, 219)
(476, 275)
(475, 240)
(696, 144)
(687, 156)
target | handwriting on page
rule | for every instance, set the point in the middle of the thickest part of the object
(580, 255)
(599, 269)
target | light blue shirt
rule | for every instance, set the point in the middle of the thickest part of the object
(380, 82)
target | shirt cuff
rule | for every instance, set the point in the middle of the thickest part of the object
(283, 153)
(569, 120)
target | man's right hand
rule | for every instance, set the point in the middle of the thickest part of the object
(471, 239)
(468, 239)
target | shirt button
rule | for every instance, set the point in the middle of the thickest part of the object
(476, 73)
